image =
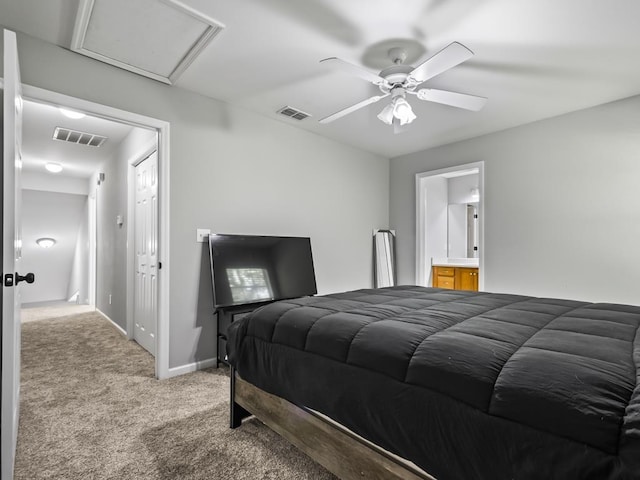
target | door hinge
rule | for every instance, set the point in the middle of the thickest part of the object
(159, 265)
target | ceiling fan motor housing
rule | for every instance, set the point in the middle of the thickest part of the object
(398, 91)
(397, 76)
(397, 55)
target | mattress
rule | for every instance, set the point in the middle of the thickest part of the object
(467, 385)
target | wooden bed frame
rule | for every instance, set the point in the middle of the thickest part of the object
(343, 453)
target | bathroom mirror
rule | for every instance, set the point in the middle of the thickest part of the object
(462, 230)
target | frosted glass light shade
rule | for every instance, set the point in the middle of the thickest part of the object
(53, 167)
(403, 111)
(386, 115)
(46, 242)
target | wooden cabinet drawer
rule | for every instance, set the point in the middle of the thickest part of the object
(445, 271)
(445, 282)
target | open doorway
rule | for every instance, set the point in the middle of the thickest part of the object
(100, 185)
(62, 151)
(450, 225)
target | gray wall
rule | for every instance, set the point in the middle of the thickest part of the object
(55, 215)
(235, 172)
(562, 210)
(111, 239)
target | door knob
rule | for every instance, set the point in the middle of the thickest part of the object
(29, 278)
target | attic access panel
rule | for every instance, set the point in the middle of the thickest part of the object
(155, 38)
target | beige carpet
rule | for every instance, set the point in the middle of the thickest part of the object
(52, 310)
(91, 409)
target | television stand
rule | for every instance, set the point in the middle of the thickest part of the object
(226, 316)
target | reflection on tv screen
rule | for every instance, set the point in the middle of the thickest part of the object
(249, 284)
(248, 269)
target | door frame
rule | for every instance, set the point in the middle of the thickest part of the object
(92, 203)
(423, 263)
(135, 160)
(163, 146)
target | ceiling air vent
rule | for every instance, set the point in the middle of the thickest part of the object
(81, 138)
(293, 113)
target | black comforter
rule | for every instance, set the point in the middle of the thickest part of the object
(466, 385)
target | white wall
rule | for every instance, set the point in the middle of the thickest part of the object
(457, 230)
(436, 221)
(237, 172)
(459, 188)
(48, 182)
(55, 215)
(79, 277)
(460, 194)
(562, 210)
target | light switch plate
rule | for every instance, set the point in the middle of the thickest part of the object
(202, 234)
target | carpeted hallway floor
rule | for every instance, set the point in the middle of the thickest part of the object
(49, 310)
(91, 409)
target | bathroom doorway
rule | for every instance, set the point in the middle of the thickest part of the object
(450, 220)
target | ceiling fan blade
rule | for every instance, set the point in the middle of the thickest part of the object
(460, 100)
(352, 108)
(354, 70)
(450, 56)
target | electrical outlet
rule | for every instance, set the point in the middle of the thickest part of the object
(202, 234)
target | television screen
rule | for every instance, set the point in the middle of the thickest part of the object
(250, 269)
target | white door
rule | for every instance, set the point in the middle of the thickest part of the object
(146, 243)
(11, 246)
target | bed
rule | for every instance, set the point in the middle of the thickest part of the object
(464, 385)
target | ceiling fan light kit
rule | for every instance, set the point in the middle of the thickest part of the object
(403, 111)
(399, 80)
(399, 109)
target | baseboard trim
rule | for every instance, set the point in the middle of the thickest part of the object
(175, 371)
(118, 327)
(191, 367)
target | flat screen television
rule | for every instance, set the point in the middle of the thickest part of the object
(249, 269)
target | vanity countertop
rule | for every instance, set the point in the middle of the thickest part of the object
(456, 262)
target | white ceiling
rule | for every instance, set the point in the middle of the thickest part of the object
(534, 59)
(38, 146)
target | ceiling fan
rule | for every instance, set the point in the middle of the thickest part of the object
(399, 80)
